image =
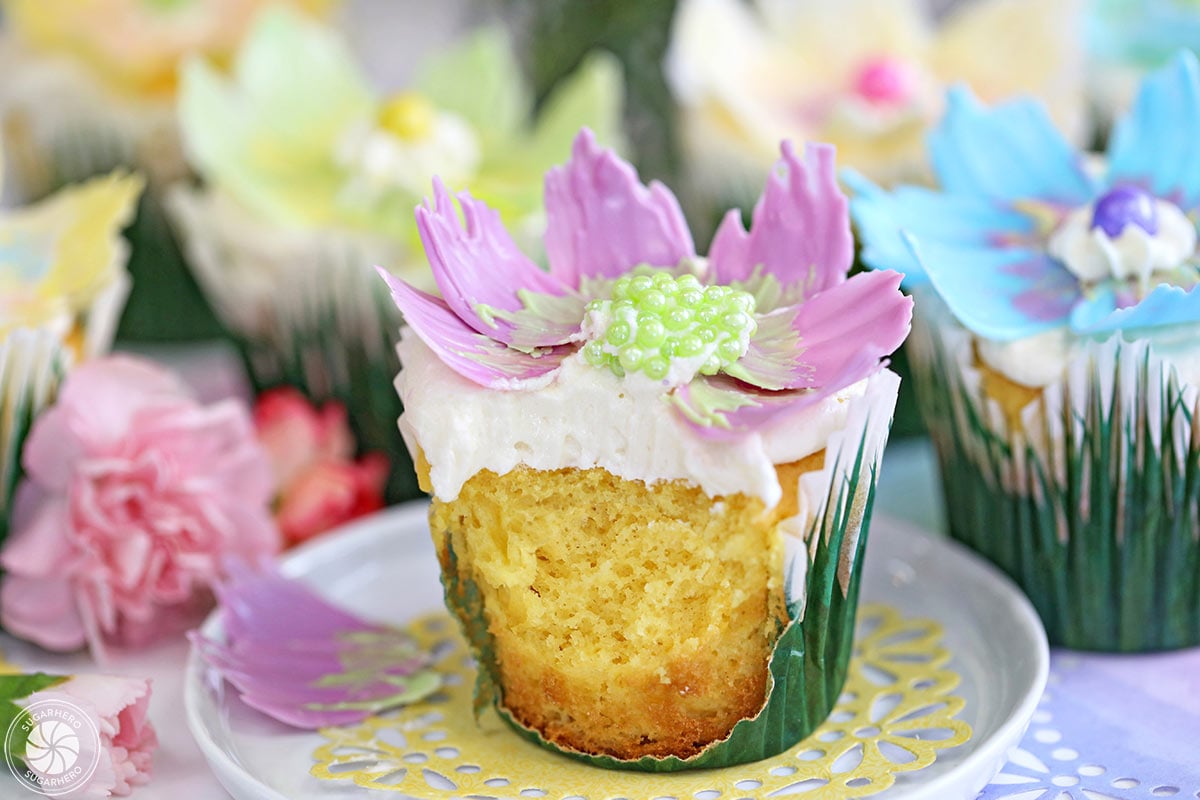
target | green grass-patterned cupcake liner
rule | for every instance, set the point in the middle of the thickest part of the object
(307, 310)
(824, 557)
(33, 362)
(1092, 503)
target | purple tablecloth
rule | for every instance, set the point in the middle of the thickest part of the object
(1109, 726)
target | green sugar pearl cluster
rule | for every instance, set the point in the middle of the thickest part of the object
(655, 319)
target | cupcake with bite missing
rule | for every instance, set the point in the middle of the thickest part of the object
(652, 472)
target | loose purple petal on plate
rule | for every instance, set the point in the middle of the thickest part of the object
(479, 268)
(305, 662)
(476, 357)
(807, 345)
(800, 231)
(601, 221)
(253, 598)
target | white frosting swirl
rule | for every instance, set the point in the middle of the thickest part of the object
(1134, 254)
(587, 417)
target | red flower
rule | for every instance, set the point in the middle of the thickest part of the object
(311, 449)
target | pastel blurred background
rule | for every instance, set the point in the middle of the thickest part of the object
(283, 145)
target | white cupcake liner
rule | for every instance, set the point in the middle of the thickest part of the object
(33, 361)
(61, 125)
(307, 309)
(835, 496)
(288, 292)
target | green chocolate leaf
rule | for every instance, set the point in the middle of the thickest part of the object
(481, 82)
(775, 355)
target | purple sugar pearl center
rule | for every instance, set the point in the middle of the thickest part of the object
(1125, 205)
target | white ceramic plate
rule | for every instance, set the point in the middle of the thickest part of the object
(384, 567)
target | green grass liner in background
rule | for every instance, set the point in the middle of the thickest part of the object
(1110, 556)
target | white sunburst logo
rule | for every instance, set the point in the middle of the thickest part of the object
(61, 750)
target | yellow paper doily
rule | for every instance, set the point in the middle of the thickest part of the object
(895, 714)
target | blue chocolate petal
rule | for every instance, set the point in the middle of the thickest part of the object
(1008, 153)
(883, 217)
(1156, 145)
(999, 293)
(1165, 305)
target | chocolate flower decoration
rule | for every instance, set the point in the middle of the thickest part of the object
(1024, 237)
(767, 324)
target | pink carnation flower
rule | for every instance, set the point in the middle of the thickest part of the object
(767, 324)
(321, 485)
(118, 707)
(134, 497)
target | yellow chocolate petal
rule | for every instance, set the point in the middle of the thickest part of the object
(69, 246)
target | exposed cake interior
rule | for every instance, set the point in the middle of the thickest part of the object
(627, 619)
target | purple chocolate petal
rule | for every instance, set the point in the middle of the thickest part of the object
(303, 661)
(807, 345)
(601, 221)
(477, 265)
(476, 357)
(751, 409)
(800, 231)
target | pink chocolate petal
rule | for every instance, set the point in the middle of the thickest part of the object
(601, 221)
(477, 266)
(304, 662)
(800, 231)
(747, 408)
(807, 345)
(476, 357)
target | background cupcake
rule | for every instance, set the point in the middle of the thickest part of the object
(89, 86)
(656, 483)
(310, 177)
(62, 286)
(868, 76)
(1055, 354)
(865, 75)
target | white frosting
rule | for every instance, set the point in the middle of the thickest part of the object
(1041, 360)
(1093, 256)
(587, 417)
(1033, 361)
(380, 161)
